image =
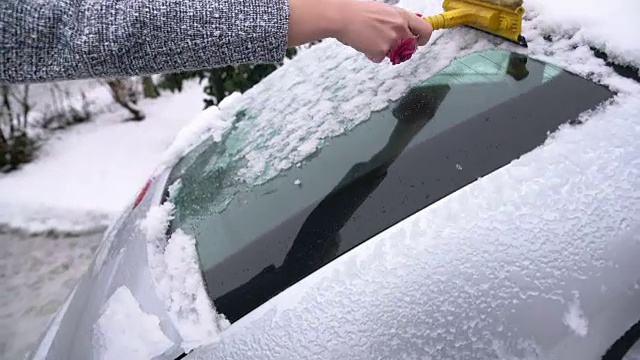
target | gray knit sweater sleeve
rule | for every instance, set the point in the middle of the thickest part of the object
(47, 40)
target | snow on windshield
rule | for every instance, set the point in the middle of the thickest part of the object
(178, 281)
(324, 92)
(594, 174)
(329, 88)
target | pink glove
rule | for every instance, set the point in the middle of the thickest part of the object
(404, 50)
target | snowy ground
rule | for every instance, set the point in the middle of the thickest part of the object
(88, 173)
(36, 275)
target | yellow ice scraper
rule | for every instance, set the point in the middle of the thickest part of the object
(502, 18)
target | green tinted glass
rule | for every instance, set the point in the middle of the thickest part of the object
(225, 214)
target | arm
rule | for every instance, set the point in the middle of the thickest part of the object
(49, 40)
(43, 40)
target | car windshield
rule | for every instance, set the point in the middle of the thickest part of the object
(478, 114)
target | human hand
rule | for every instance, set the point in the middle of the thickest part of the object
(375, 29)
(372, 28)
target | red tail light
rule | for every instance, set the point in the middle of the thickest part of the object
(142, 193)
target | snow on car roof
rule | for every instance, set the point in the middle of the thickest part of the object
(611, 26)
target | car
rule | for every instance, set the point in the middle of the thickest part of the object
(476, 202)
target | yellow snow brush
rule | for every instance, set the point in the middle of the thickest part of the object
(502, 18)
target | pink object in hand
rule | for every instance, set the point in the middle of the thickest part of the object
(404, 50)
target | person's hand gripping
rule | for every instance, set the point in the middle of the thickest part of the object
(372, 28)
(376, 29)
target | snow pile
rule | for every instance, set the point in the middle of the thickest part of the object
(176, 272)
(611, 26)
(143, 339)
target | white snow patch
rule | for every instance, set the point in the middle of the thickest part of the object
(155, 223)
(575, 319)
(124, 331)
(609, 25)
(189, 303)
(231, 101)
(176, 273)
(208, 123)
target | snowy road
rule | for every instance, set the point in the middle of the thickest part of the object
(36, 275)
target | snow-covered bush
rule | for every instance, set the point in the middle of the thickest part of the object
(63, 110)
(16, 145)
(220, 82)
(28, 113)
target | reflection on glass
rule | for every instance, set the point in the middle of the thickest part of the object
(318, 240)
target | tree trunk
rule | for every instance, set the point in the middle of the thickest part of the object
(149, 89)
(218, 85)
(121, 94)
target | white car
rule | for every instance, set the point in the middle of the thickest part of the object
(480, 201)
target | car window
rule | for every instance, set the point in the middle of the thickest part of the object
(478, 114)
